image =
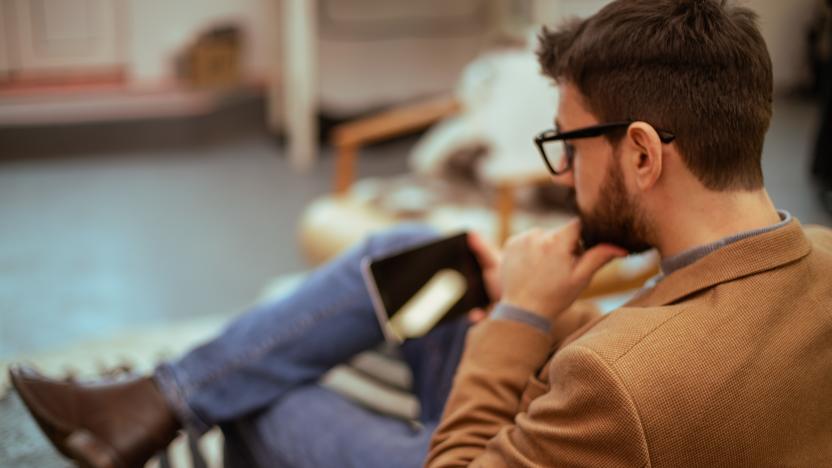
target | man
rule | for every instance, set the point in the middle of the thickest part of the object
(725, 360)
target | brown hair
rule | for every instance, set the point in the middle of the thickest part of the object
(697, 68)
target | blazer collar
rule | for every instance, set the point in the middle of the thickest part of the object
(742, 258)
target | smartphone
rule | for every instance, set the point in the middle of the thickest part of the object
(415, 289)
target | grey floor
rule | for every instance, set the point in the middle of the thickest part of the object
(99, 242)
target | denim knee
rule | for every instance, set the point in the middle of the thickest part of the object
(401, 237)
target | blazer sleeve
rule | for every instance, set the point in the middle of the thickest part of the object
(584, 418)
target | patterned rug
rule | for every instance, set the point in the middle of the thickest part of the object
(23, 445)
(139, 350)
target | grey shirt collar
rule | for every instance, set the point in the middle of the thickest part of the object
(681, 260)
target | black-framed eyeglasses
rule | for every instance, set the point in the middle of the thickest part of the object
(558, 154)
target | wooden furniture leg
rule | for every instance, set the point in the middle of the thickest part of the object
(505, 209)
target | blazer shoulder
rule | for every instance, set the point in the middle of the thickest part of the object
(625, 328)
(820, 237)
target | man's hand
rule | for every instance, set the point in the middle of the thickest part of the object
(544, 272)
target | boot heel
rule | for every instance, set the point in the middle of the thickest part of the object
(89, 452)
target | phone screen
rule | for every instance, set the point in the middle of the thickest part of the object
(415, 289)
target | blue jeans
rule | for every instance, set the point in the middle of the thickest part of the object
(258, 379)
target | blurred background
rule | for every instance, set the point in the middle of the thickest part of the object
(159, 159)
(155, 157)
(165, 161)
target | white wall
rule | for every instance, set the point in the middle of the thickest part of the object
(4, 59)
(158, 29)
(552, 12)
(393, 65)
(783, 25)
(354, 75)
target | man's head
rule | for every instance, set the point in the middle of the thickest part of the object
(697, 68)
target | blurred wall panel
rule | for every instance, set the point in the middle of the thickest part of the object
(784, 26)
(552, 12)
(4, 53)
(375, 53)
(73, 37)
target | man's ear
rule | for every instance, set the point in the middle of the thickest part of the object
(645, 154)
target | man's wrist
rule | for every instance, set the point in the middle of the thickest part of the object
(507, 311)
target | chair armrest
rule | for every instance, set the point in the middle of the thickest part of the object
(347, 138)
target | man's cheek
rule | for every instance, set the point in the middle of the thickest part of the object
(582, 194)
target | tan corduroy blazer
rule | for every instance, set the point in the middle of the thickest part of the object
(726, 362)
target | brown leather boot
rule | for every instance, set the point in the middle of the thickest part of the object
(119, 424)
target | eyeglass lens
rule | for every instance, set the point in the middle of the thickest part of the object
(559, 154)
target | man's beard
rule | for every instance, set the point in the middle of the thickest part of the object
(615, 219)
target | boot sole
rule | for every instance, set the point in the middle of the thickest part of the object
(90, 452)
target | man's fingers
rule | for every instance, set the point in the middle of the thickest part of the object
(593, 259)
(572, 231)
(476, 315)
(487, 254)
